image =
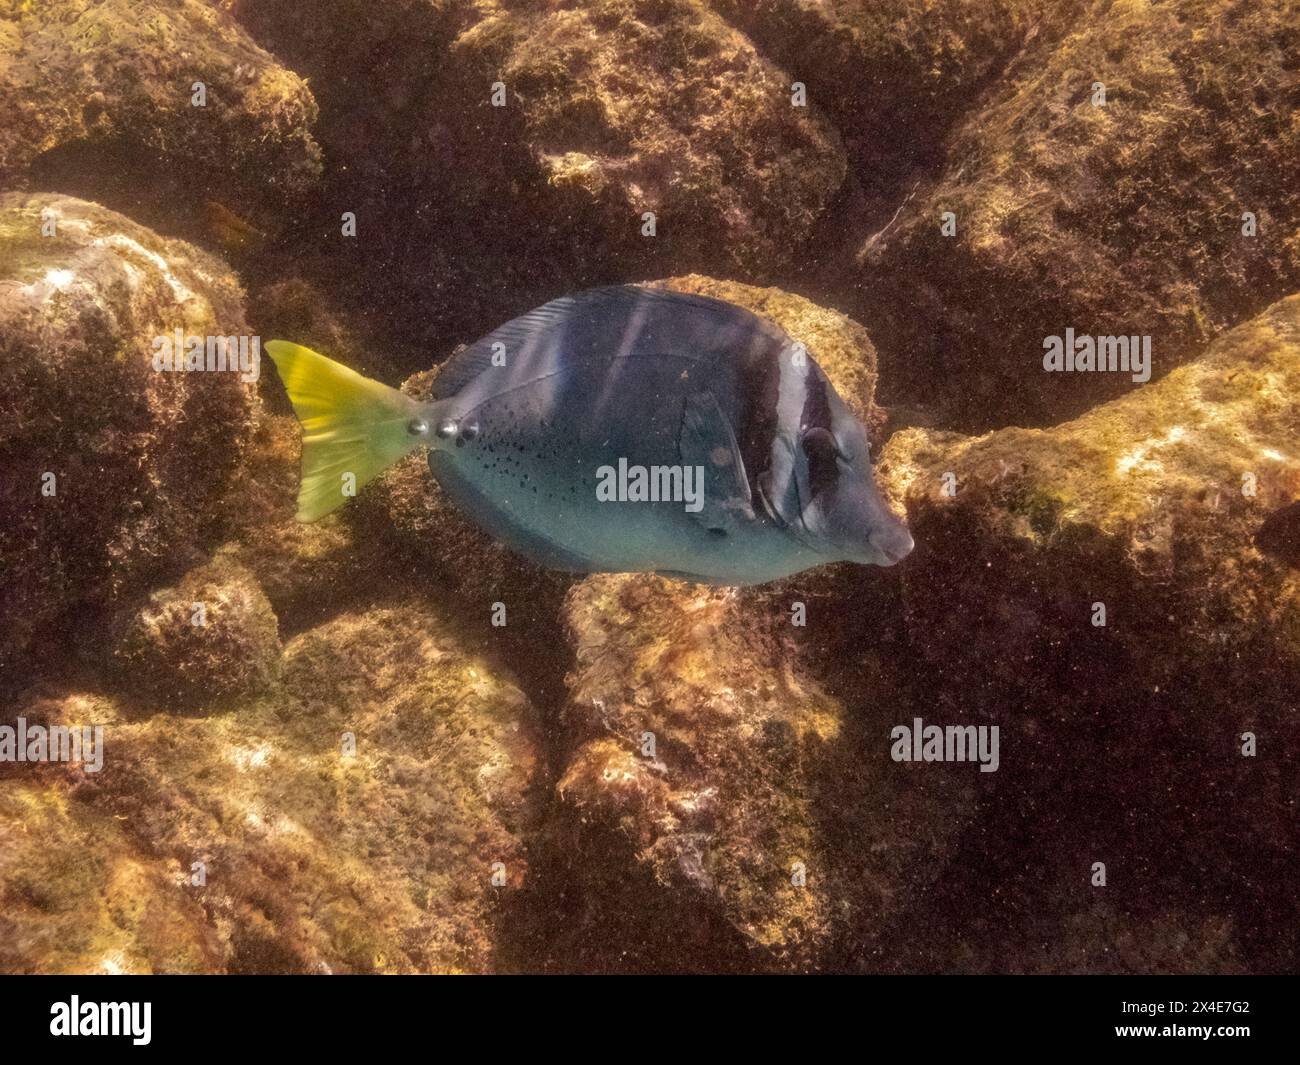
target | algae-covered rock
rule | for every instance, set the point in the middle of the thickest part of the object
(706, 135)
(78, 896)
(78, 893)
(720, 807)
(99, 100)
(1153, 500)
(1131, 173)
(499, 155)
(894, 76)
(210, 637)
(111, 472)
(368, 814)
(1097, 590)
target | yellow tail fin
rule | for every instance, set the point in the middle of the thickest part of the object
(353, 428)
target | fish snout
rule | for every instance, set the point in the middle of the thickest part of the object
(892, 543)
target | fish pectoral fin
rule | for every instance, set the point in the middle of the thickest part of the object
(708, 442)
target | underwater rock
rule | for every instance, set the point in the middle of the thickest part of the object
(209, 638)
(606, 111)
(368, 814)
(1096, 590)
(689, 137)
(720, 809)
(893, 76)
(1154, 498)
(81, 894)
(111, 473)
(81, 897)
(291, 307)
(98, 102)
(1131, 173)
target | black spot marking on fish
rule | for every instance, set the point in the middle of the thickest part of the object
(1279, 536)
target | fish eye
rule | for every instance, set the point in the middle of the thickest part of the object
(820, 443)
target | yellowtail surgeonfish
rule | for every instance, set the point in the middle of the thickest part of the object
(622, 429)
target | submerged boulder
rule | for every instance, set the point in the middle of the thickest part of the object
(370, 813)
(722, 805)
(894, 76)
(151, 107)
(1130, 173)
(1100, 592)
(81, 897)
(499, 155)
(112, 473)
(210, 637)
(692, 138)
(1150, 503)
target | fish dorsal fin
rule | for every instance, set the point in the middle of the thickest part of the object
(707, 441)
(503, 344)
(604, 323)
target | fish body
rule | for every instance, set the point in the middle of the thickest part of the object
(629, 429)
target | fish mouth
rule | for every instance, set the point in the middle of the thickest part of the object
(882, 548)
(894, 545)
(886, 547)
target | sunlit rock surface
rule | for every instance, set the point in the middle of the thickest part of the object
(370, 813)
(704, 135)
(1151, 502)
(97, 98)
(609, 110)
(208, 638)
(1124, 739)
(1115, 218)
(110, 472)
(720, 807)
